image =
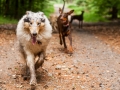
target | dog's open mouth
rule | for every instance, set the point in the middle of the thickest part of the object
(34, 40)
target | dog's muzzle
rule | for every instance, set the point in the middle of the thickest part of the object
(34, 36)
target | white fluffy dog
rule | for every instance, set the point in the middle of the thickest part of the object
(33, 33)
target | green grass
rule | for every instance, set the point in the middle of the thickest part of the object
(93, 17)
(89, 16)
(4, 20)
(49, 9)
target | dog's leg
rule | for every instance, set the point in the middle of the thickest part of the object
(39, 63)
(59, 29)
(70, 39)
(65, 46)
(30, 64)
(60, 36)
(81, 24)
(41, 59)
(27, 72)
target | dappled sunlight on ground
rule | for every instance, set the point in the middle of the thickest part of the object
(94, 64)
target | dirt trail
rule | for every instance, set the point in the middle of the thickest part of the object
(93, 66)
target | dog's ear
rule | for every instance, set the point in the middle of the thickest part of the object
(28, 12)
(42, 14)
(60, 10)
(70, 12)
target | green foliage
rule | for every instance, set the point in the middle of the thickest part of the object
(96, 10)
(4, 20)
(17, 8)
(93, 17)
(48, 9)
(57, 1)
(81, 2)
(76, 8)
(89, 15)
(104, 6)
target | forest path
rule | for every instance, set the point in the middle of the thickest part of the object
(94, 65)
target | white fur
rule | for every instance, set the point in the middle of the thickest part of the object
(24, 38)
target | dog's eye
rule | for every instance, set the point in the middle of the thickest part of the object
(38, 23)
(30, 23)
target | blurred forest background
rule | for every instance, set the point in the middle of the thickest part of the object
(95, 10)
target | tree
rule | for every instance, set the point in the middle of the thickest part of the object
(104, 7)
(16, 8)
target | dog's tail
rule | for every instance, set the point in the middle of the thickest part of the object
(63, 6)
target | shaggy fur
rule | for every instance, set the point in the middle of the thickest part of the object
(33, 33)
(53, 20)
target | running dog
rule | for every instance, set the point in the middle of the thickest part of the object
(64, 28)
(33, 33)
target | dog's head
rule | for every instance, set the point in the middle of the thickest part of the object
(34, 23)
(64, 16)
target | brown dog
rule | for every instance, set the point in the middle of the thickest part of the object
(64, 28)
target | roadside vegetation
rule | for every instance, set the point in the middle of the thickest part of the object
(12, 10)
(95, 10)
(89, 15)
(6, 20)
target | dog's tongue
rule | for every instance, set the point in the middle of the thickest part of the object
(33, 40)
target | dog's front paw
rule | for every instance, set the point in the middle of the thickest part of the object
(33, 81)
(71, 50)
(66, 50)
(38, 64)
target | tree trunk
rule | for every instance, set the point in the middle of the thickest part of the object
(6, 7)
(0, 7)
(114, 13)
(30, 4)
(16, 9)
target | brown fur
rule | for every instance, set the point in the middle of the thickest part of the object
(64, 28)
(53, 20)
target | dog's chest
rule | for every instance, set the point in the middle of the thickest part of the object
(37, 47)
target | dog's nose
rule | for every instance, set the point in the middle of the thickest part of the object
(34, 34)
